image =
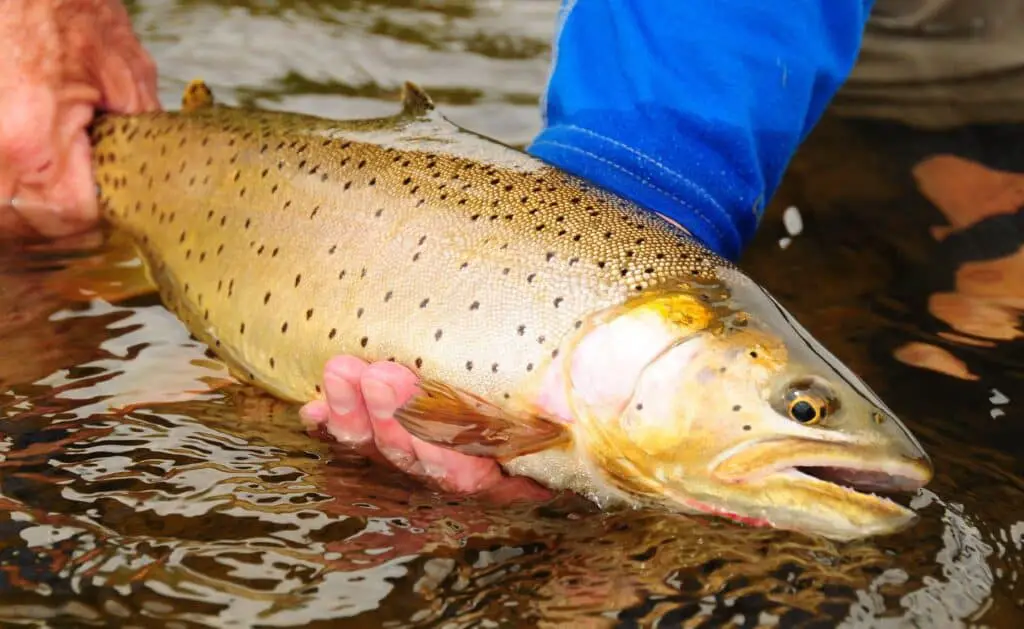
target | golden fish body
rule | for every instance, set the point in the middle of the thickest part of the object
(534, 307)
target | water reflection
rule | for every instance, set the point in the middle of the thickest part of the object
(136, 486)
(221, 512)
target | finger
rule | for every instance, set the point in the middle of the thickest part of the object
(122, 38)
(27, 132)
(145, 73)
(401, 386)
(58, 198)
(455, 471)
(393, 441)
(349, 422)
(515, 489)
(386, 387)
(68, 205)
(120, 90)
(314, 414)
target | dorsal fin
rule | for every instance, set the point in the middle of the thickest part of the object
(197, 95)
(416, 103)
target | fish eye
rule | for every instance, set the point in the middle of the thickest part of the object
(804, 411)
(808, 402)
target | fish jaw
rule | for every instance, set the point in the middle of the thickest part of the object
(824, 487)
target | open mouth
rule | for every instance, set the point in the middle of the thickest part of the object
(851, 467)
(862, 479)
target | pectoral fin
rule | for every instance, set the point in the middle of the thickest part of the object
(454, 419)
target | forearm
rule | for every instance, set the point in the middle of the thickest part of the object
(693, 109)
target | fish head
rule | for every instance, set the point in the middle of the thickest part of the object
(747, 416)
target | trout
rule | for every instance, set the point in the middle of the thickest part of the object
(574, 337)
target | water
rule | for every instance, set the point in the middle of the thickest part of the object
(183, 507)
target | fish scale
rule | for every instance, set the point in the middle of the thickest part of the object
(403, 238)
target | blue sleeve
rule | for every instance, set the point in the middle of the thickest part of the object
(693, 108)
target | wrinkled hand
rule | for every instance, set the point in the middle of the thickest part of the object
(358, 411)
(62, 60)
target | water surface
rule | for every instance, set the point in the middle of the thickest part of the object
(132, 495)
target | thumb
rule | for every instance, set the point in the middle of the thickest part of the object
(48, 167)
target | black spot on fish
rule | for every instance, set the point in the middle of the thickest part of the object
(332, 333)
(363, 341)
(438, 334)
(266, 298)
(284, 327)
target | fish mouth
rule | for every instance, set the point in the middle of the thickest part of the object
(865, 480)
(844, 478)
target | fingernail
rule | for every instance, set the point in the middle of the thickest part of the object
(344, 435)
(403, 460)
(341, 395)
(313, 414)
(379, 398)
(434, 466)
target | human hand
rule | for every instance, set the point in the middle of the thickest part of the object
(63, 60)
(358, 411)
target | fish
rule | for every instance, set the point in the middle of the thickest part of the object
(567, 333)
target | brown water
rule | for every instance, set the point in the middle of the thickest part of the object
(214, 509)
